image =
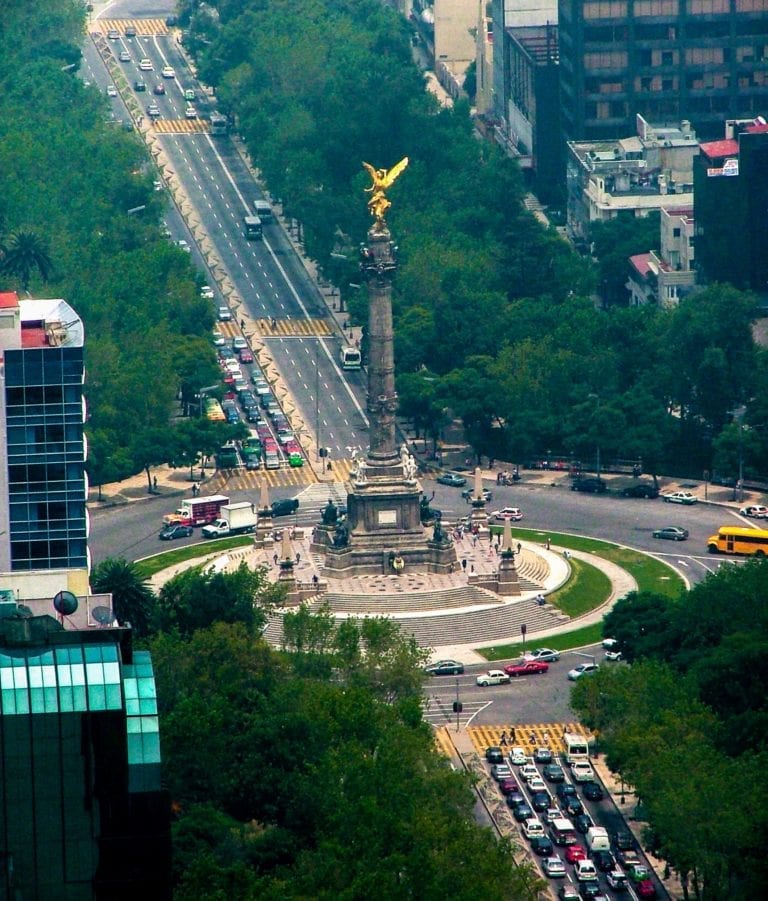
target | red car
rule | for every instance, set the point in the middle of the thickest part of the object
(526, 668)
(245, 355)
(646, 889)
(507, 786)
(574, 853)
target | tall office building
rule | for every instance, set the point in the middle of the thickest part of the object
(43, 486)
(83, 816)
(667, 60)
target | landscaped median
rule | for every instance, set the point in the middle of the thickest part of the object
(149, 566)
(588, 587)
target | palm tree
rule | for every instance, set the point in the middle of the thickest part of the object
(24, 252)
(133, 600)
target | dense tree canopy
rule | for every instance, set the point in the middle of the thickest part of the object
(687, 724)
(293, 785)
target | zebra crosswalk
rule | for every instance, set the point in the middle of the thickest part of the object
(293, 328)
(298, 477)
(143, 27)
(528, 736)
(181, 126)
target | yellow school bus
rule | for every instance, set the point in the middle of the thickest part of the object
(738, 540)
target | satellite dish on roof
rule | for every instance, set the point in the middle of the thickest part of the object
(103, 615)
(65, 603)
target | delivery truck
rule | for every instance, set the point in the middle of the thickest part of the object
(234, 519)
(197, 511)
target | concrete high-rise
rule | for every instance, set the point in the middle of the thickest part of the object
(43, 485)
(667, 60)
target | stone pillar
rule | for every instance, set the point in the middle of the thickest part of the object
(509, 584)
(378, 266)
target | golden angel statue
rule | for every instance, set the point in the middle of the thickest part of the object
(381, 181)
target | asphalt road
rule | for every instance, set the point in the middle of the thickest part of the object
(267, 275)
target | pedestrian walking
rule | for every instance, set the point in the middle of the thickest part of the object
(275, 559)
(242, 325)
(512, 734)
(298, 558)
(315, 580)
(503, 739)
(474, 541)
(472, 570)
(519, 547)
(253, 507)
(548, 543)
(154, 482)
(274, 323)
(464, 564)
(532, 738)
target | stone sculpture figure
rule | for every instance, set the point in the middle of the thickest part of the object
(330, 513)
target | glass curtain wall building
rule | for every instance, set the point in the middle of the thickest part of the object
(43, 487)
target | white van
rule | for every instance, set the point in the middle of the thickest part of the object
(533, 828)
(597, 839)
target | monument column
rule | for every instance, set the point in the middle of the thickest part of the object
(378, 265)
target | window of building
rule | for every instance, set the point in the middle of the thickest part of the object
(750, 6)
(675, 232)
(656, 8)
(668, 84)
(605, 9)
(608, 60)
(709, 6)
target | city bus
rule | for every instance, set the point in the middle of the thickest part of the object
(350, 358)
(739, 540)
(252, 226)
(219, 124)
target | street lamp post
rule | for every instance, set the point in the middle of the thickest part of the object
(596, 399)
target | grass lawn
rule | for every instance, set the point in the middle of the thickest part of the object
(151, 565)
(588, 587)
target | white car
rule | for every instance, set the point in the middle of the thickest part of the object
(583, 669)
(513, 514)
(585, 870)
(218, 339)
(756, 511)
(613, 655)
(582, 772)
(224, 314)
(553, 867)
(537, 784)
(111, 90)
(182, 245)
(239, 343)
(492, 677)
(533, 828)
(146, 64)
(528, 771)
(124, 57)
(168, 72)
(190, 113)
(546, 655)
(232, 366)
(680, 497)
(551, 814)
(501, 771)
(518, 756)
(609, 643)
(207, 292)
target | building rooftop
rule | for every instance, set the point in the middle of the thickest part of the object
(717, 149)
(642, 263)
(540, 41)
(8, 300)
(50, 323)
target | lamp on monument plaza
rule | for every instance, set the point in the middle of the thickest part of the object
(596, 399)
(738, 414)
